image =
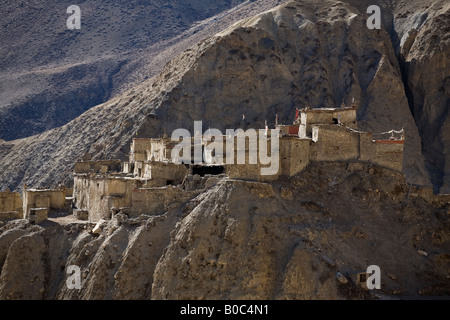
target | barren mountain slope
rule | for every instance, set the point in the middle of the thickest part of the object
(426, 62)
(420, 32)
(303, 53)
(49, 74)
(245, 240)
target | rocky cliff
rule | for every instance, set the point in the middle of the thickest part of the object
(303, 238)
(298, 54)
(425, 61)
(420, 33)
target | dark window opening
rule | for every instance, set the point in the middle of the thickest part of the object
(335, 121)
(32, 217)
(204, 170)
(169, 182)
(363, 277)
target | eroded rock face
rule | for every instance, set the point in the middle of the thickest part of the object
(119, 264)
(24, 269)
(245, 240)
(419, 32)
(425, 57)
(234, 245)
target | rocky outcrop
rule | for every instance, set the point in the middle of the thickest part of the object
(419, 33)
(303, 238)
(234, 245)
(25, 260)
(425, 60)
(120, 263)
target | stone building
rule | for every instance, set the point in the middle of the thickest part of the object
(133, 187)
(10, 205)
(150, 183)
(338, 116)
(37, 203)
(101, 166)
